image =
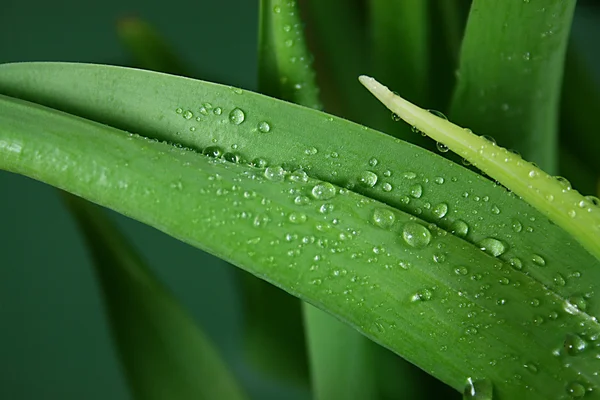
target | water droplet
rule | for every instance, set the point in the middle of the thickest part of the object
(478, 389)
(264, 127)
(489, 139)
(277, 9)
(559, 280)
(259, 163)
(538, 260)
(575, 305)
(179, 110)
(516, 263)
(563, 182)
(495, 210)
(574, 344)
(275, 173)
(438, 114)
(396, 117)
(459, 228)
(323, 191)
(232, 157)
(416, 191)
(516, 226)
(439, 180)
(422, 295)
(373, 162)
(442, 148)
(383, 218)
(311, 151)
(461, 270)
(416, 235)
(440, 210)
(188, 114)
(289, 43)
(594, 200)
(213, 151)
(237, 116)
(492, 246)
(218, 111)
(531, 367)
(367, 179)
(387, 187)
(575, 390)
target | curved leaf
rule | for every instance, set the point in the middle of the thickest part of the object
(408, 285)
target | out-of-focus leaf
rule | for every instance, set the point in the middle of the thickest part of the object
(164, 354)
(510, 74)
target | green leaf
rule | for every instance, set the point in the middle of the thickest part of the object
(285, 72)
(399, 37)
(163, 352)
(342, 360)
(148, 47)
(510, 74)
(553, 197)
(431, 297)
(580, 104)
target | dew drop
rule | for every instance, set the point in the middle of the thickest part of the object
(383, 218)
(297, 218)
(422, 295)
(237, 116)
(516, 263)
(311, 151)
(179, 110)
(323, 191)
(576, 390)
(416, 235)
(442, 148)
(480, 389)
(575, 305)
(367, 179)
(396, 117)
(213, 151)
(574, 344)
(440, 210)
(439, 180)
(563, 182)
(264, 127)
(459, 228)
(416, 191)
(462, 270)
(275, 173)
(559, 280)
(516, 226)
(188, 114)
(387, 187)
(495, 210)
(438, 114)
(492, 246)
(218, 111)
(373, 162)
(538, 260)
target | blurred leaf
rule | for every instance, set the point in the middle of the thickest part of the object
(337, 37)
(148, 48)
(509, 81)
(428, 295)
(342, 362)
(163, 352)
(399, 38)
(579, 132)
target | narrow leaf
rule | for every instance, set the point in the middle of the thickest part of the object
(553, 197)
(430, 296)
(510, 74)
(163, 352)
(148, 48)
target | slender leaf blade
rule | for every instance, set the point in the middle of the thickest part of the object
(163, 352)
(380, 274)
(510, 74)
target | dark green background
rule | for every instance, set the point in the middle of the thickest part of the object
(54, 343)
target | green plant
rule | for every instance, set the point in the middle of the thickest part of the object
(472, 283)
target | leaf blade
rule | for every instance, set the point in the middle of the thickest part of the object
(163, 352)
